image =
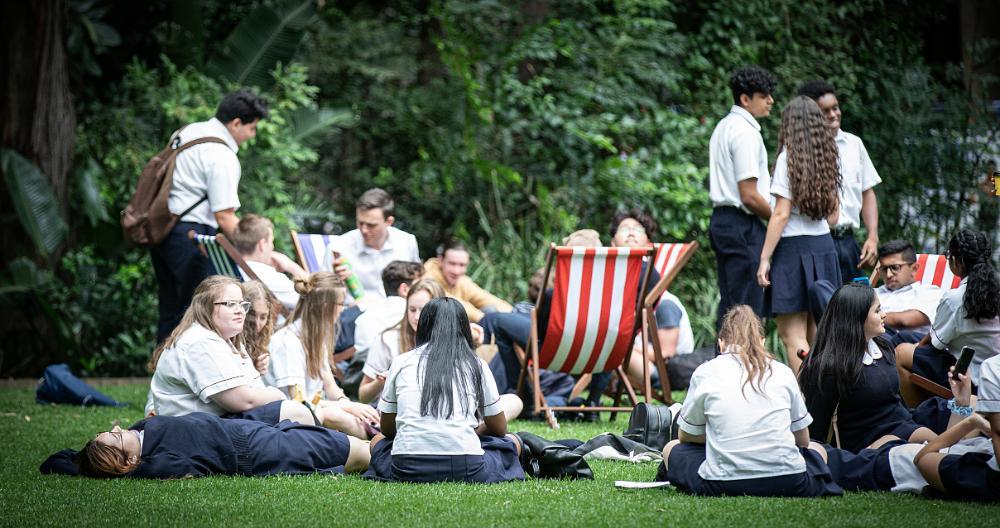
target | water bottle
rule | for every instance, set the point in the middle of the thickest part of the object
(353, 284)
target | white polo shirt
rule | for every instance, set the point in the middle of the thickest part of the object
(370, 325)
(989, 393)
(280, 285)
(368, 263)
(288, 366)
(857, 176)
(951, 329)
(209, 168)
(384, 350)
(735, 153)
(748, 434)
(199, 365)
(798, 223)
(426, 435)
(916, 296)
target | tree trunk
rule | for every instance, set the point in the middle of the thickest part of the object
(37, 118)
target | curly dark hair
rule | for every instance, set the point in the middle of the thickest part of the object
(811, 154)
(893, 247)
(973, 251)
(242, 104)
(816, 88)
(751, 80)
(644, 219)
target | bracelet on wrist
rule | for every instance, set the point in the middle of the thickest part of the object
(961, 410)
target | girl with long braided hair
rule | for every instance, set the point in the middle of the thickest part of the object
(966, 316)
(798, 249)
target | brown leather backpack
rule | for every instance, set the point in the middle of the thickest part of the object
(147, 220)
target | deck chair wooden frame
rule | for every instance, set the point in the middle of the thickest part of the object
(310, 255)
(668, 260)
(222, 266)
(590, 350)
(930, 386)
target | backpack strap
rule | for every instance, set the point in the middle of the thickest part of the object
(178, 149)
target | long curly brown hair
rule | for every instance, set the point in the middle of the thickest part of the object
(811, 154)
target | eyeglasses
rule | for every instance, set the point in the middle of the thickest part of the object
(638, 230)
(232, 305)
(895, 268)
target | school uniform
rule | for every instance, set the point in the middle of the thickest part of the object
(429, 449)
(736, 152)
(952, 330)
(288, 366)
(857, 175)
(872, 407)
(370, 328)
(749, 442)
(915, 296)
(200, 365)
(804, 255)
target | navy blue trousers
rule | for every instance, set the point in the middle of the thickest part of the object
(848, 256)
(179, 269)
(737, 239)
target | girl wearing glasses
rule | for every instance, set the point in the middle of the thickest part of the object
(203, 367)
(301, 350)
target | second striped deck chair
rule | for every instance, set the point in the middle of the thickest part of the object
(311, 249)
(932, 270)
(668, 261)
(593, 319)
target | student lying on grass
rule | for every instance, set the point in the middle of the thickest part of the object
(960, 456)
(431, 403)
(201, 444)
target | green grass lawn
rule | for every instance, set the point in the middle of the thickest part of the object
(29, 432)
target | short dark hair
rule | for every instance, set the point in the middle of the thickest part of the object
(451, 244)
(644, 219)
(400, 272)
(376, 199)
(816, 88)
(243, 105)
(893, 247)
(751, 80)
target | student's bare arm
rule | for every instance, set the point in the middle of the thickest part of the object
(244, 398)
(387, 424)
(495, 425)
(227, 221)
(907, 319)
(869, 215)
(370, 388)
(688, 438)
(752, 199)
(802, 437)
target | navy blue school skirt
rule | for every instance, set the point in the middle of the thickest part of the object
(868, 470)
(797, 263)
(969, 477)
(498, 463)
(288, 448)
(932, 363)
(269, 413)
(685, 459)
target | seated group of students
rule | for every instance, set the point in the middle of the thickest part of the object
(222, 382)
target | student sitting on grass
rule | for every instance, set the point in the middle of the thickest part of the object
(300, 355)
(431, 407)
(850, 376)
(955, 455)
(966, 316)
(203, 367)
(743, 426)
(259, 324)
(202, 444)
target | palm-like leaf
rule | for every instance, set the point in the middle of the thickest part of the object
(263, 39)
(306, 122)
(34, 201)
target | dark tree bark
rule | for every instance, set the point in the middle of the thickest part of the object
(37, 117)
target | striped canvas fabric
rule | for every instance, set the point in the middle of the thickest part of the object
(221, 262)
(592, 320)
(667, 256)
(314, 249)
(934, 270)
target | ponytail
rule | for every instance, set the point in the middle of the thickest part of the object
(321, 297)
(744, 335)
(972, 250)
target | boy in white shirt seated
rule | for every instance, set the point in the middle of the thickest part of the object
(254, 239)
(909, 306)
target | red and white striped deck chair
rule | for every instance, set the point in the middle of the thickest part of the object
(668, 262)
(934, 270)
(593, 319)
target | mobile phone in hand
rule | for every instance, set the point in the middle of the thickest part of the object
(964, 360)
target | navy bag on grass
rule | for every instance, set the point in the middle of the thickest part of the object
(59, 385)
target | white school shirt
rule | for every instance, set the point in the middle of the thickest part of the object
(383, 351)
(857, 176)
(908, 477)
(748, 435)
(735, 153)
(288, 362)
(277, 282)
(368, 263)
(685, 339)
(916, 296)
(952, 330)
(369, 326)
(426, 435)
(199, 365)
(989, 394)
(798, 223)
(209, 168)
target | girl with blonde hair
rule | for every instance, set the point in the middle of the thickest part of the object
(259, 326)
(744, 424)
(301, 351)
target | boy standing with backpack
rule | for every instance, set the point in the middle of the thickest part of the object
(204, 198)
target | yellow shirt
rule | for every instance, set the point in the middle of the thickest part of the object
(470, 294)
